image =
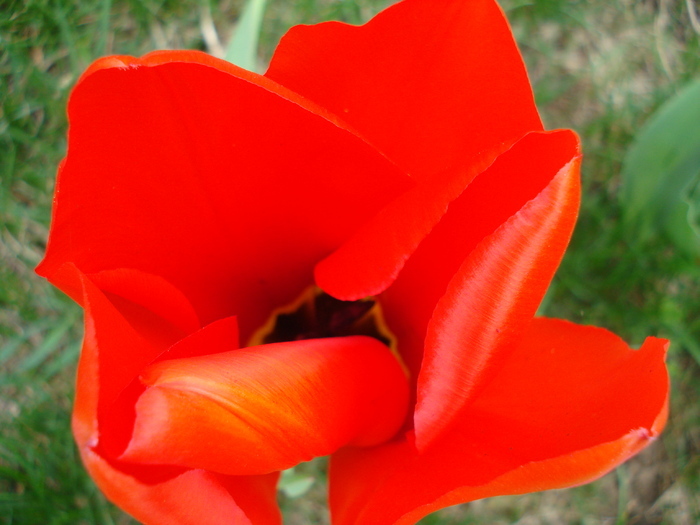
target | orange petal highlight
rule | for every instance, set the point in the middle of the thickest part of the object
(262, 409)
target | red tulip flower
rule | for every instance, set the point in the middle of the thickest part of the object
(342, 257)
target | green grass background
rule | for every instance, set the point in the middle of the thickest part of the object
(600, 67)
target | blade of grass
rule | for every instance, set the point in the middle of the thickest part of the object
(50, 344)
(68, 38)
(242, 50)
(66, 359)
(104, 26)
(10, 347)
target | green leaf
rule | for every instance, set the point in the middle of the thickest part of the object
(681, 228)
(659, 169)
(242, 50)
(104, 26)
(294, 484)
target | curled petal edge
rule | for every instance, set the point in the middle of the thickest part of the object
(555, 473)
(161, 495)
(193, 497)
(392, 484)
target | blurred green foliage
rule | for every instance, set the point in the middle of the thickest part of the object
(660, 170)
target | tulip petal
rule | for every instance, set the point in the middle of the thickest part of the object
(571, 403)
(516, 177)
(169, 172)
(267, 408)
(489, 302)
(154, 294)
(419, 81)
(113, 352)
(118, 343)
(430, 96)
(369, 262)
(194, 497)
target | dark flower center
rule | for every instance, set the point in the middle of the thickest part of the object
(318, 315)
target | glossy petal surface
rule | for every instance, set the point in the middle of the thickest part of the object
(571, 403)
(270, 407)
(489, 302)
(517, 176)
